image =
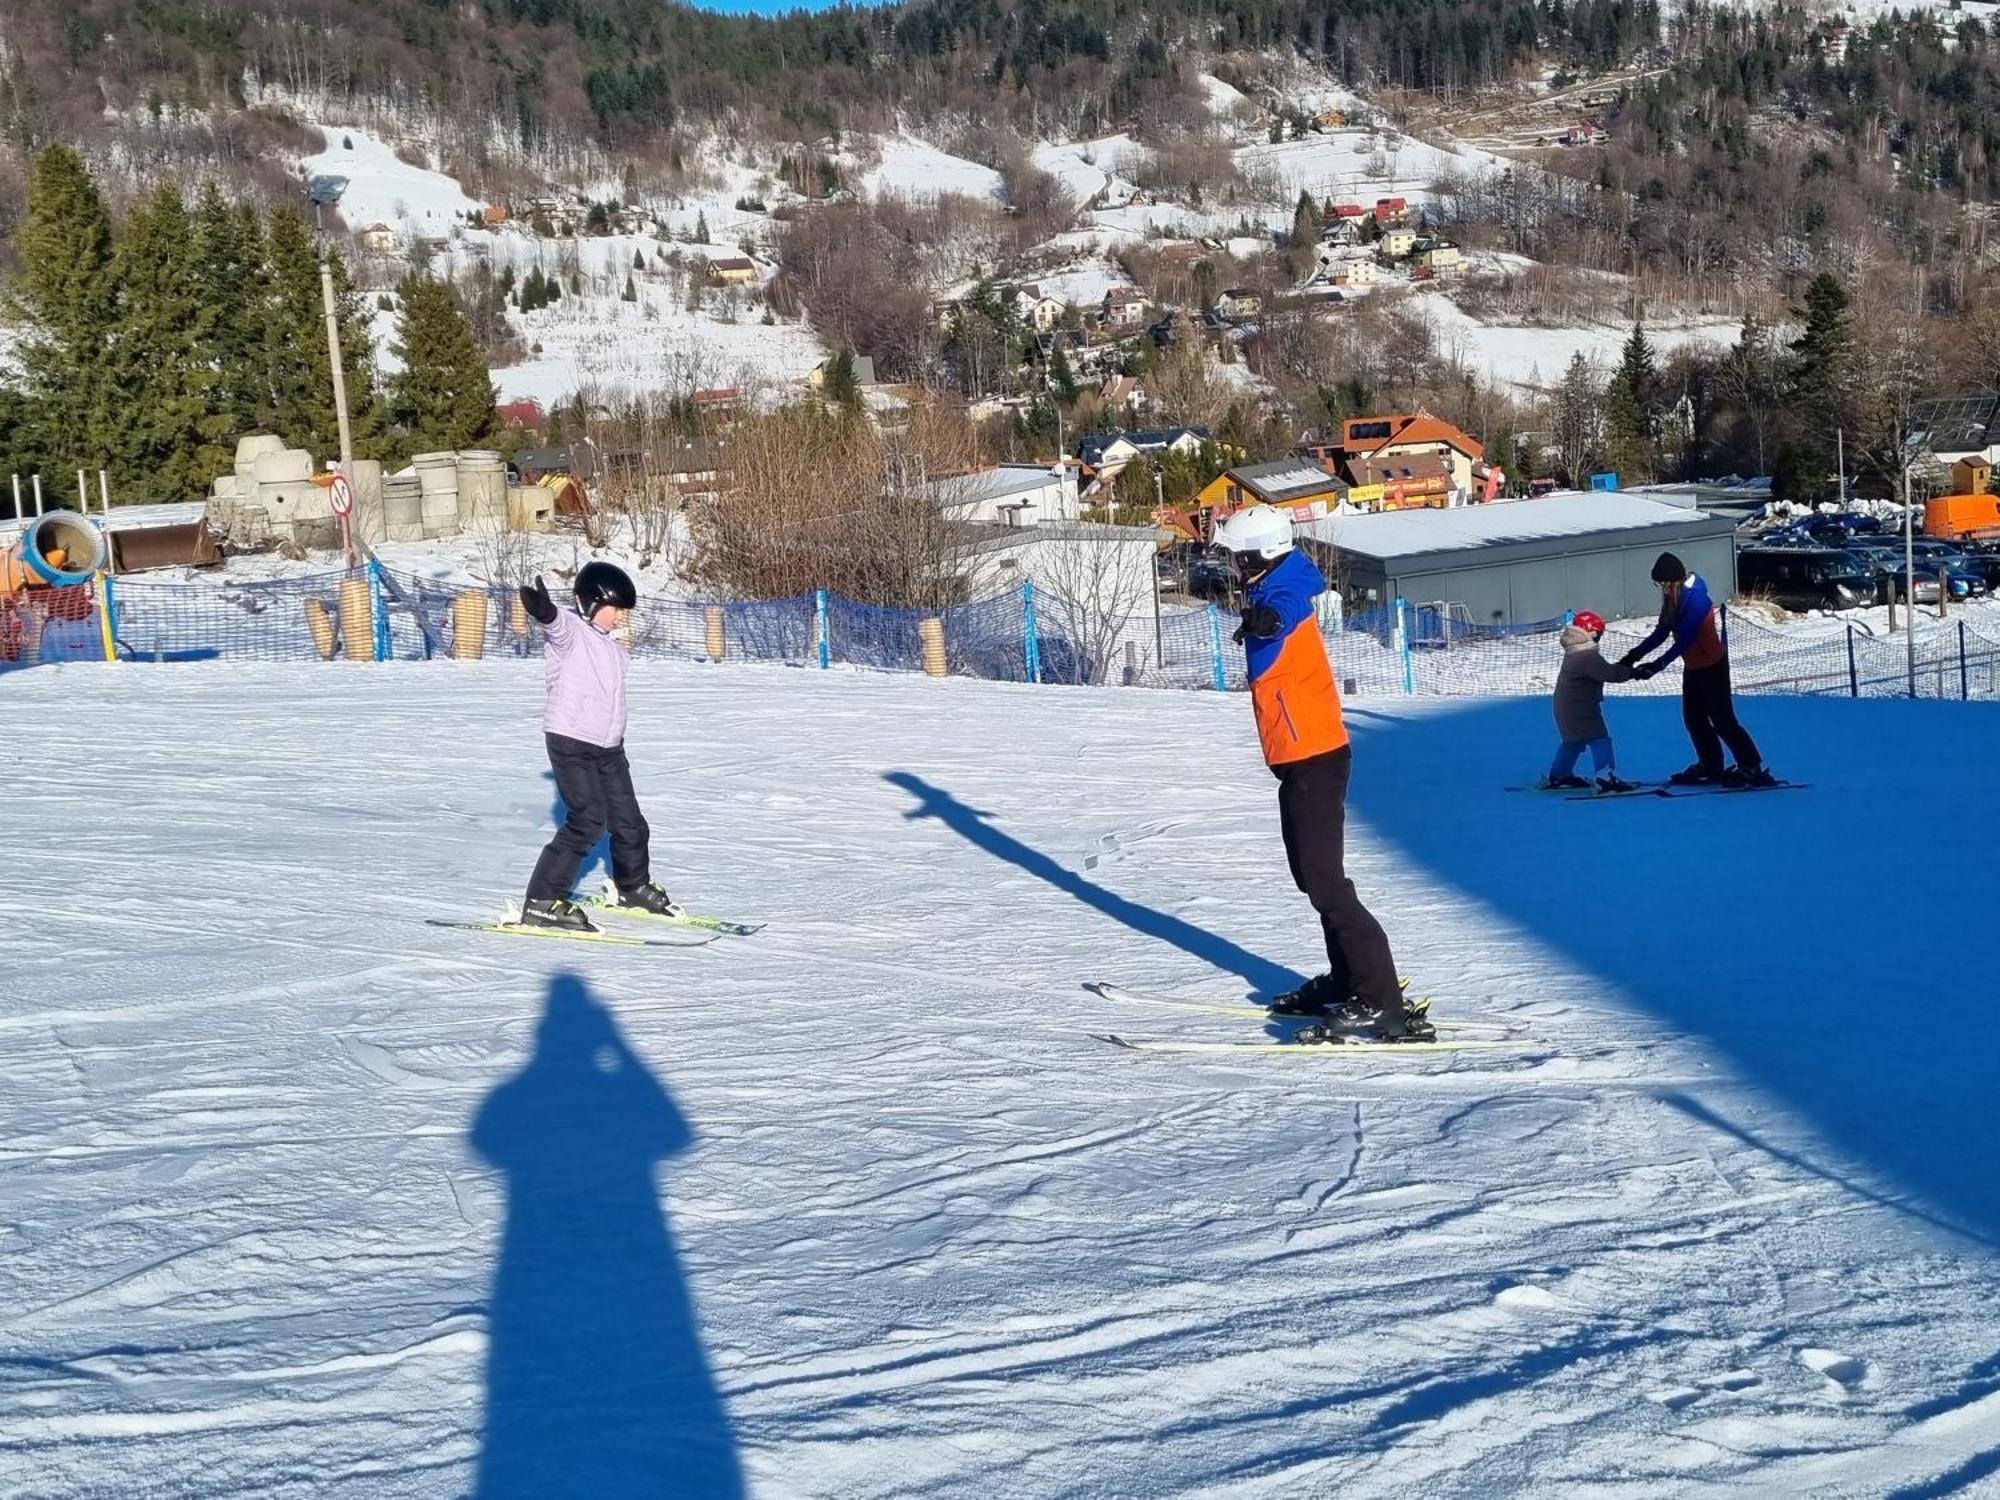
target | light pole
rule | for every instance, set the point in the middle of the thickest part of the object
(1910, 580)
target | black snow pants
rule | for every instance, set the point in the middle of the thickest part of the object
(1312, 810)
(595, 784)
(1710, 715)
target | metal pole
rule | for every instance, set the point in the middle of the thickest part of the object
(1910, 582)
(1840, 445)
(18, 512)
(1964, 677)
(38, 494)
(82, 495)
(104, 493)
(1853, 672)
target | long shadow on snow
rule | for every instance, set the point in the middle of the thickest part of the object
(975, 827)
(1815, 937)
(596, 1379)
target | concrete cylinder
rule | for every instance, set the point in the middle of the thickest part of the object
(248, 451)
(357, 619)
(320, 623)
(482, 490)
(403, 508)
(468, 626)
(437, 479)
(931, 633)
(715, 634)
(531, 507)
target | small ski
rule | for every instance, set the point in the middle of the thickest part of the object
(1638, 789)
(685, 919)
(1317, 1049)
(1711, 790)
(570, 935)
(1263, 1013)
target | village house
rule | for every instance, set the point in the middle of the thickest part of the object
(1341, 232)
(1238, 303)
(1040, 311)
(524, 414)
(1350, 270)
(733, 270)
(1123, 307)
(1396, 245)
(1391, 211)
(864, 371)
(1366, 445)
(1330, 119)
(1302, 490)
(1440, 257)
(1123, 392)
(1105, 454)
(378, 239)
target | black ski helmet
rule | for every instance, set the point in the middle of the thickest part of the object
(602, 583)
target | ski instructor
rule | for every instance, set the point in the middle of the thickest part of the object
(1305, 743)
(1707, 707)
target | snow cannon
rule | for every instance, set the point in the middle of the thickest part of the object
(58, 550)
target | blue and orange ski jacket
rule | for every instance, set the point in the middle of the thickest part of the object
(1692, 623)
(1291, 681)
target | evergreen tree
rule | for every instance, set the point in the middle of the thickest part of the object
(64, 295)
(1575, 428)
(229, 286)
(1822, 384)
(299, 380)
(160, 372)
(1306, 222)
(1750, 381)
(701, 227)
(839, 384)
(443, 396)
(1632, 403)
(1062, 378)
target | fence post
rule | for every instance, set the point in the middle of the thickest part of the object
(1030, 637)
(1403, 646)
(109, 621)
(1215, 648)
(1339, 612)
(1853, 672)
(1722, 614)
(379, 609)
(820, 614)
(1964, 676)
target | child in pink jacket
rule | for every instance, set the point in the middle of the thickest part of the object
(584, 724)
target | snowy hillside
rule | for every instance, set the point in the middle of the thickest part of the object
(303, 1198)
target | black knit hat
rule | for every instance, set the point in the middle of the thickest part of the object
(1668, 569)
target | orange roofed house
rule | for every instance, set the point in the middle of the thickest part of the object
(1380, 450)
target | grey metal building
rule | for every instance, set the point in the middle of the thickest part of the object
(1522, 561)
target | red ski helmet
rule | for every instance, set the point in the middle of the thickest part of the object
(1583, 619)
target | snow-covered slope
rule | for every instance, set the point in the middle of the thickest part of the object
(382, 188)
(302, 1198)
(917, 169)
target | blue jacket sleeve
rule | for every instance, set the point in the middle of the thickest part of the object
(1694, 608)
(1290, 589)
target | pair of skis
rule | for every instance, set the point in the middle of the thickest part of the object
(1658, 789)
(694, 929)
(1469, 1035)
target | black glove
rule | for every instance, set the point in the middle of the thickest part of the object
(1629, 657)
(1648, 669)
(536, 597)
(1258, 620)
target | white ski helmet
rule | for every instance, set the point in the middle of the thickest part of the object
(1258, 530)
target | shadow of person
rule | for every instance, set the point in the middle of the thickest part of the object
(976, 828)
(596, 1382)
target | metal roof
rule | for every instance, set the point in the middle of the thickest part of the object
(1509, 530)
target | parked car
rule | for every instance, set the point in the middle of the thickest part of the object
(1887, 563)
(1984, 558)
(1806, 578)
(1965, 580)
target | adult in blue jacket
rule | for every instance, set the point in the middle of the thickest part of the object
(1688, 616)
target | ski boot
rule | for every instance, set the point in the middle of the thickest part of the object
(564, 916)
(1757, 776)
(1610, 781)
(1565, 784)
(1695, 775)
(650, 898)
(1316, 997)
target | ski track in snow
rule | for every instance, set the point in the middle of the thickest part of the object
(935, 1235)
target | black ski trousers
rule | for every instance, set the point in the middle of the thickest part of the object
(1312, 811)
(596, 789)
(1710, 715)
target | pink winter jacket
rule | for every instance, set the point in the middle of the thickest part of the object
(586, 671)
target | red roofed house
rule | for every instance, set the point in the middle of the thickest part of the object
(526, 414)
(1368, 444)
(1392, 211)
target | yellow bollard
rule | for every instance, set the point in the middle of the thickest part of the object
(468, 626)
(357, 619)
(715, 632)
(931, 633)
(517, 617)
(320, 623)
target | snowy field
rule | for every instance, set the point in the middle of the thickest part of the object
(1535, 359)
(300, 1197)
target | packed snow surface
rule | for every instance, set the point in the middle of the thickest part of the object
(917, 169)
(382, 188)
(300, 1197)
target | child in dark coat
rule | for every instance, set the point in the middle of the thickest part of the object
(1579, 707)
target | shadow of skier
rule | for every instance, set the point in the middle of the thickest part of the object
(596, 1382)
(975, 826)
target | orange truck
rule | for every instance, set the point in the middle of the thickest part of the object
(1956, 517)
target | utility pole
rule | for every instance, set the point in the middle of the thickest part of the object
(1910, 580)
(334, 362)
